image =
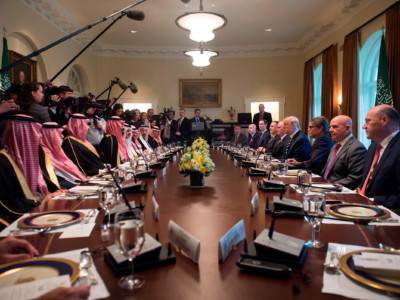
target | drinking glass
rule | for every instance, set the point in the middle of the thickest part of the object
(314, 206)
(120, 174)
(282, 167)
(107, 199)
(129, 237)
(304, 180)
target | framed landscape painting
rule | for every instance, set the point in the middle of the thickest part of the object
(200, 92)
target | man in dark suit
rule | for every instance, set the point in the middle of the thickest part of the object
(318, 130)
(262, 115)
(238, 138)
(381, 177)
(169, 128)
(198, 119)
(297, 146)
(264, 137)
(277, 150)
(183, 130)
(346, 159)
(253, 136)
(273, 130)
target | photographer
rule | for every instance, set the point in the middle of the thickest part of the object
(64, 105)
(96, 124)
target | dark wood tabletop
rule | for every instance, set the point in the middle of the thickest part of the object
(207, 214)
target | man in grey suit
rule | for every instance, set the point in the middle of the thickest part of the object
(239, 138)
(346, 159)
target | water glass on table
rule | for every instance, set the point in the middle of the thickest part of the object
(314, 207)
(129, 237)
(304, 180)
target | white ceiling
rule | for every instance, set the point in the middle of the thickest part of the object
(297, 25)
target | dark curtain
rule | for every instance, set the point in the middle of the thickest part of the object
(308, 93)
(329, 101)
(350, 78)
(393, 52)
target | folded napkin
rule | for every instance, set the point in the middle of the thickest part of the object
(342, 285)
(84, 189)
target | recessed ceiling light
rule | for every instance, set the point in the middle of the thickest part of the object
(212, 5)
(133, 31)
(268, 29)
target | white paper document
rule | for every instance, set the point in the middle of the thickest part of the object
(33, 289)
(184, 241)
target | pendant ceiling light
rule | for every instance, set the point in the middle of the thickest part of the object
(201, 57)
(201, 24)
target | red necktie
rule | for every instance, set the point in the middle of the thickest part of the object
(371, 169)
(331, 159)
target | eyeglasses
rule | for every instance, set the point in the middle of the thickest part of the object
(311, 127)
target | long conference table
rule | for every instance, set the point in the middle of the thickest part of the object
(208, 213)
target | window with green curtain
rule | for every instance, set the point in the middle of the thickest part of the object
(368, 71)
(316, 111)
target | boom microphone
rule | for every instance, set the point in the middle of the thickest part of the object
(137, 15)
(133, 87)
(122, 84)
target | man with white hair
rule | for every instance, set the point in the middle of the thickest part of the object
(381, 177)
(346, 159)
(298, 145)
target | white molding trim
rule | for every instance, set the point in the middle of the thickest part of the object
(280, 99)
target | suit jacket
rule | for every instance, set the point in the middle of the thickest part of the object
(384, 185)
(253, 140)
(263, 140)
(242, 139)
(299, 147)
(173, 127)
(185, 129)
(320, 150)
(348, 166)
(271, 143)
(267, 117)
(277, 151)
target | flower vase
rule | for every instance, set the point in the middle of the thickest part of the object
(196, 180)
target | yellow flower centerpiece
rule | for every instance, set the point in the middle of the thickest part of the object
(196, 162)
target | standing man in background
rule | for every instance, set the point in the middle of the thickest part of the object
(262, 115)
(183, 130)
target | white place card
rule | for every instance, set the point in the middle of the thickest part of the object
(155, 185)
(164, 171)
(33, 289)
(230, 240)
(378, 263)
(184, 241)
(250, 185)
(156, 209)
(255, 201)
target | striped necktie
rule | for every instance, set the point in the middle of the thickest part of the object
(371, 170)
(287, 146)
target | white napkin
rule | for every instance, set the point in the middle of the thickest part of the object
(71, 231)
(342, 285)
(96, 291)
(84, 189)
(392, 216)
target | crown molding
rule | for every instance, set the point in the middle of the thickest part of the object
(55, 14)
